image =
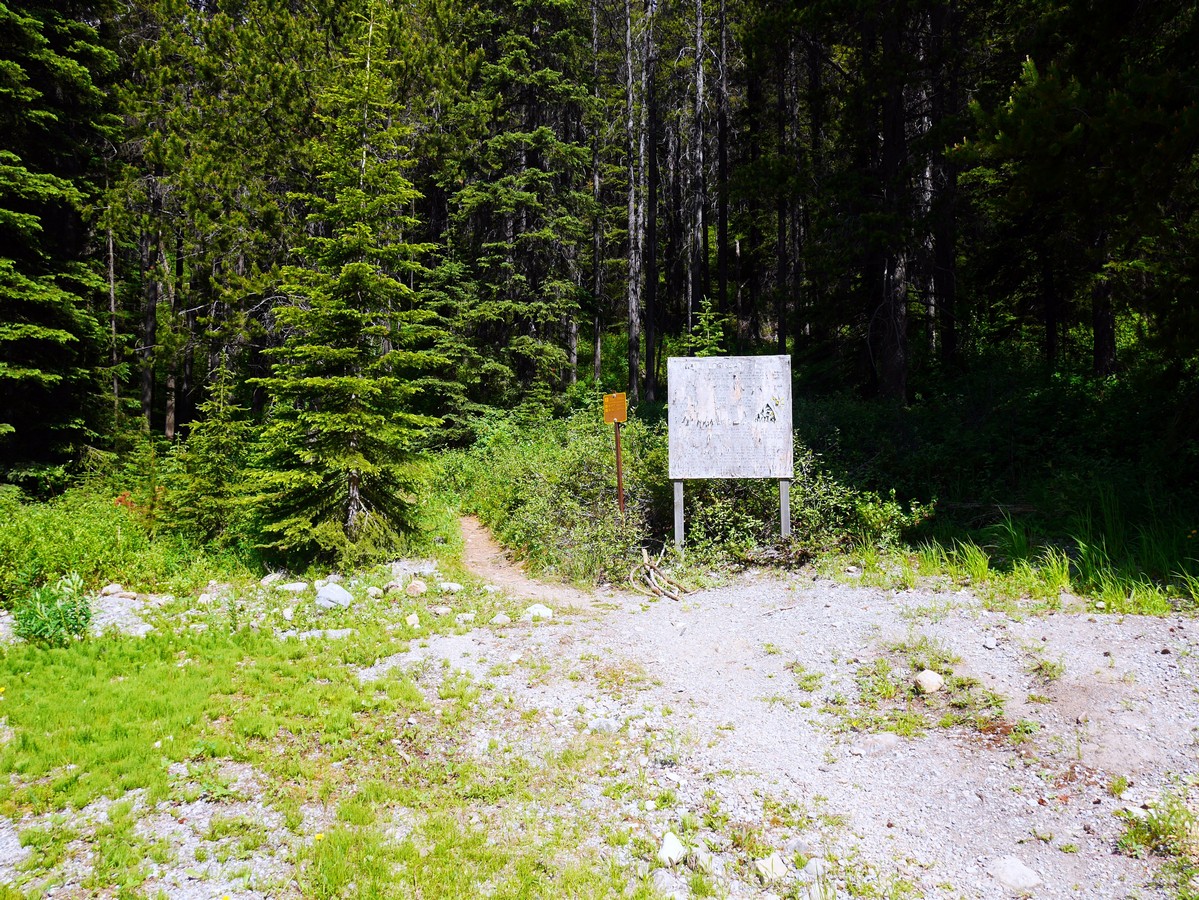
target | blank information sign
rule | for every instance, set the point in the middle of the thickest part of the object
(730, 417)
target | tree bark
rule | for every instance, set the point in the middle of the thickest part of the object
(650, 248)
(634, 226)
(891, 316)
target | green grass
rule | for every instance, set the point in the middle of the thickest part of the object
(1169, 831)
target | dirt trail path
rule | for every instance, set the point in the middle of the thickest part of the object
(753, 698)
(486, 559)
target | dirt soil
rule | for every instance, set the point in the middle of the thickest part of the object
(712, 690)
(770, 723)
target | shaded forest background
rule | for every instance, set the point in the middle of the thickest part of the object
(301, 242)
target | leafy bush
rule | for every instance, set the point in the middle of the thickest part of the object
(549, 489)
(54, 615)
(100, 537)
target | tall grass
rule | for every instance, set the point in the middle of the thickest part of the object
(101, 537)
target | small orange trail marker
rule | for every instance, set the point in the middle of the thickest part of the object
(616, 410)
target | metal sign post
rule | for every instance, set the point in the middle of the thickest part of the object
(730, 417)
(616, 411)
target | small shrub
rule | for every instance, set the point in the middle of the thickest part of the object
(54, 615)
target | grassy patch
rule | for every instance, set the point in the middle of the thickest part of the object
(1170, 831)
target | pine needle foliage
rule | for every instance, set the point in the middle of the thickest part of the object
(330, 477)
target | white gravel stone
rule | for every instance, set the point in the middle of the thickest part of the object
(929, 682)
(374, 592)
(770, 869)
(333, 596)
(293, 587)
(672, 851)
(415, 588)
(1011, 872)
(501, 619)
(537, 611)
(413, 621)
(449, 587)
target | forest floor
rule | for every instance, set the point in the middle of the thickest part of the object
(770, 724)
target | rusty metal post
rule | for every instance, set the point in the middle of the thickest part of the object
(619, 470)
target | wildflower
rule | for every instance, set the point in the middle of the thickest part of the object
(320, 836)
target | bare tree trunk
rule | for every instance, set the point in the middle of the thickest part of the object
(699, 241)
(722, 169)
(891, 317)
(153, 287)
(650, 215)
(635, 151)
(114, 350)
(1103, 321)
(597, 224)
(782, 283)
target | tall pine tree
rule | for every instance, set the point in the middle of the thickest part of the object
(52, 115)
(330, 476)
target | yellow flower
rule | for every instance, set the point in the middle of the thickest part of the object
(320, 836)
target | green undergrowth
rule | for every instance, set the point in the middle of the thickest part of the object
(888, 699)
(1170, 832)
(548, 490)
(151, 723)
(103, 537)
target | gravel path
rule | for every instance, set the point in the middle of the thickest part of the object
(1088, 699)
(771, 723)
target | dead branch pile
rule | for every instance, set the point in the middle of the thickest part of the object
(648, 578)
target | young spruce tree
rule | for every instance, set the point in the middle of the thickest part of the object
(330, 477)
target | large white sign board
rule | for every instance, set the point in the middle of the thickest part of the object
(730, 417)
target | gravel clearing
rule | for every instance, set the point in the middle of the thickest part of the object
(955, 812)
(745, 753)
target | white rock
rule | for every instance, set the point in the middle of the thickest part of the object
(320, 583)
(403, 567)
(289, 613)
(440, 610)
(671, 852)
(604, 726)
(989, 642)
(449, 587)
(876, 744)
(669, 885)
(109, 589)
(537, 611)
(332, 596)
(415, 588)
(772, 868)
(464, 618)
(703, 861)
(328, 633)
(501, 619)
(413, 621)
(1012, 873)
(333, 578)
(490, 589)
(374, 592)
(268, 580)
(294, 587)
(814, 871)
(929, 682)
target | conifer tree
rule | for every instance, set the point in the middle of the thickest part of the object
(52, 113)
(329, 478)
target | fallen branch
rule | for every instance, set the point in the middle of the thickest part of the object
(649, 579)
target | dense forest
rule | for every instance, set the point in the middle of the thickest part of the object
(301, 241)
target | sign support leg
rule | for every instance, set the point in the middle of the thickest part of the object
(785, 507)
(678, 515)
(619, 471)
